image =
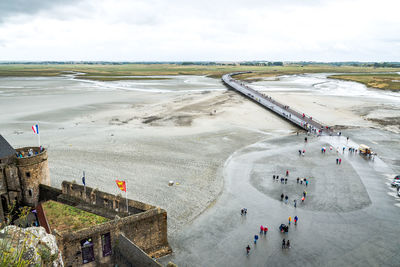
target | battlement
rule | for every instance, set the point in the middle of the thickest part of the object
(103, 199)
(30, 155)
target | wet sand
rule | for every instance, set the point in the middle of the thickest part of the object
(147, 137)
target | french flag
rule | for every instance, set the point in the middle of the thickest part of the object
(35, 128)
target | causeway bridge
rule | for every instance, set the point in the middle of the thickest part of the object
(301, 120)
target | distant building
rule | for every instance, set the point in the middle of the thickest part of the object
(126, 238)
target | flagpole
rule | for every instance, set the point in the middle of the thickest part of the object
(84, 184)
(38, 132)
(126, 196)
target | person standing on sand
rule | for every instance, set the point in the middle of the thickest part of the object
(337, 161)
(295, 203)
(282, 197)
(248, 249)
(288, 244)
(296, 219)
(302, 199)
(261, 229)
(286, 199)
(290, 220)
(340, 161)
(298, 179)
(273, 177)
(255, 239)
(265, 230)
(287, 172)
(283, 243)
(306, 183)
(285, 180)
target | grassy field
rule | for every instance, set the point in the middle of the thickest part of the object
(64, 217)
(377, 80)
(110, 72)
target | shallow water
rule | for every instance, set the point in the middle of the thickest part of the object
(13, 86)
(320, 84)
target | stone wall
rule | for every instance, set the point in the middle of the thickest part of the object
(127, 254)
(33, 171)
(148, 230)
(102, 199)
(48, 193)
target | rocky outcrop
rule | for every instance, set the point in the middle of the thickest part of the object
(36, 246)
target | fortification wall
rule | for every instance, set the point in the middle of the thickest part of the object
(104, 200)
(127, 254)
(148, 230)
(33, 171)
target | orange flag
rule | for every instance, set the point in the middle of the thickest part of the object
(121, 185)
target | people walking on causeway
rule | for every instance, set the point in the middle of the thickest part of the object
(248, 249)
(282, 197)
(261, 230)
(283, 243)
(296, 219)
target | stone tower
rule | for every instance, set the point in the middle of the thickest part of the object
(32, 171)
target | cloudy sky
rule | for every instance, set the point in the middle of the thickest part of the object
(184, 30)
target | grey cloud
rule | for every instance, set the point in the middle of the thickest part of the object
(9, 8)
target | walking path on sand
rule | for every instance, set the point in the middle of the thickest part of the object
(347, 218)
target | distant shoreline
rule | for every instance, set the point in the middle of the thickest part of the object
(375, 77)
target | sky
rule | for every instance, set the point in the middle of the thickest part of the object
(206, 30)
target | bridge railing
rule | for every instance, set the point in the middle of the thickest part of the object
(248, 91)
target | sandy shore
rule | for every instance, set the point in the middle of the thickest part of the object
(149, 138)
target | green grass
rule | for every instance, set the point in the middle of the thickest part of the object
(64, 217)
(383, 81)
(108, 72)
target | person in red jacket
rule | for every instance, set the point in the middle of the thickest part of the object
(265, 230)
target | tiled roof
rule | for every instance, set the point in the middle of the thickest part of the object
(6, 149)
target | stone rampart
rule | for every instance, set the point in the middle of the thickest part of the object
(102, 199)
(127, 254)
(33, 171)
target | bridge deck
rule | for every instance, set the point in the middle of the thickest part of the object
(301, 120)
